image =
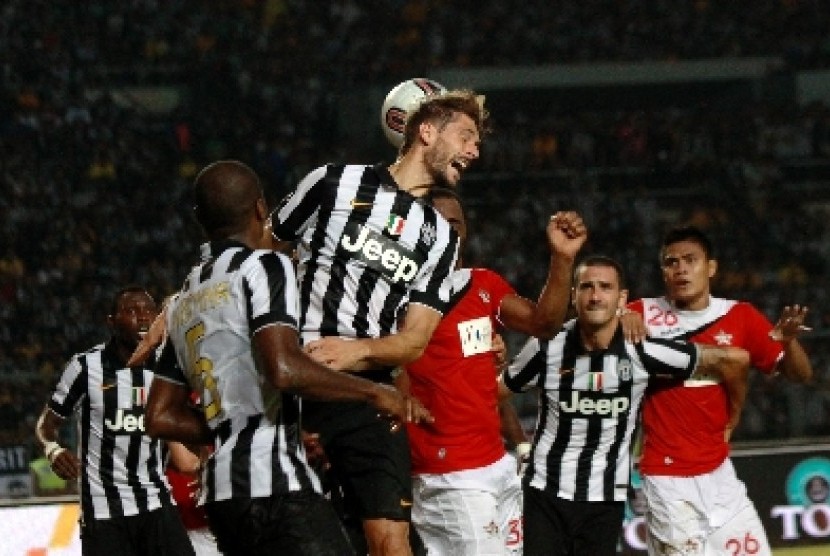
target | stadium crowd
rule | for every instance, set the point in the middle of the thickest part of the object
(91, 187)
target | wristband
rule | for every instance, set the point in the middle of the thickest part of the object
(522, 449)
(51, 450)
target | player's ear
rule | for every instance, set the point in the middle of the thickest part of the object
(427, 132)
(261, 208)
(713, 267)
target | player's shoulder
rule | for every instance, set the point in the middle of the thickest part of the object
(267, 258)
(723, 306)
(94, 350)
(490, 279)
(743, 311)
(481, 273)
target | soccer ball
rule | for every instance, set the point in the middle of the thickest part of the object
(400, 100)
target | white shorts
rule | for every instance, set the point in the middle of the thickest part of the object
(476, 512)
(203, 541)
(705, 515)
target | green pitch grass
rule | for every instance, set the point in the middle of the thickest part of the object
(817, 550)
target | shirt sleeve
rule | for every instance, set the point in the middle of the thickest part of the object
(272, 291)
(764, 352)
(666, 358)
(433, 286)
(528, 367)
(498, 288)
(71, 388)
(298, 210)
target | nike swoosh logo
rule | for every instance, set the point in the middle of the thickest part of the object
(108, 386)
(356, 203)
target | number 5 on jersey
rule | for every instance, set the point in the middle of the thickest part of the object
(202, 368)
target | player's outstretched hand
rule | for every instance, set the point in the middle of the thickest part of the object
(566, 233)
(791, 324)
(400, 408)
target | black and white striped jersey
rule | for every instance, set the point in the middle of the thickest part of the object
(365, 249)
(234, 292)
(588, 408)
(121, 467)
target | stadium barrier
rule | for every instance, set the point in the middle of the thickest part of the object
(789, 484)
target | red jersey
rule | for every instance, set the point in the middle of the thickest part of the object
(683, 422)
(193, 517)
(456, 379)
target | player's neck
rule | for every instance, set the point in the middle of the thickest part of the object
(596, 339)
(411, 177)
(697, 303)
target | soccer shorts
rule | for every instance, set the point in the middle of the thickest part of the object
(154, 533)
(203, 541)
(554, 526)
(706, 515)
(475, 512)
(295, 523)
(370, 462)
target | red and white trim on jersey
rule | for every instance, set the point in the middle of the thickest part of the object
(683, 422)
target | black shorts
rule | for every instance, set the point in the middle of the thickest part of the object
(292, 524)
(156, 533)
(370, 462)
(557, 527)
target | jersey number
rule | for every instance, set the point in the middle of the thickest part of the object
(749, 546)
(659, 317)
(202, 367)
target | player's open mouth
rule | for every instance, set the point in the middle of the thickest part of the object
(459, 165)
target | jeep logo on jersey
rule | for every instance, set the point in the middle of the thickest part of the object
(127, 421)
(393, 261)
(586, 404)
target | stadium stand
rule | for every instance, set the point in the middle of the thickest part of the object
(93, 177)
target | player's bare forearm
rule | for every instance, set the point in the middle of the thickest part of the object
(289, 368)
(63, 462)
(46, 429)
(731, 365)
(356, 355)
(394, 350)
(511, 425)
(169, 415)
(722, 362)
(566, 235)
(795, 365)
(544, 318)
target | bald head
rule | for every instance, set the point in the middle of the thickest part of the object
(226, 194)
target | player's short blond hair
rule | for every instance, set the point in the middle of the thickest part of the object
(440, 109)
